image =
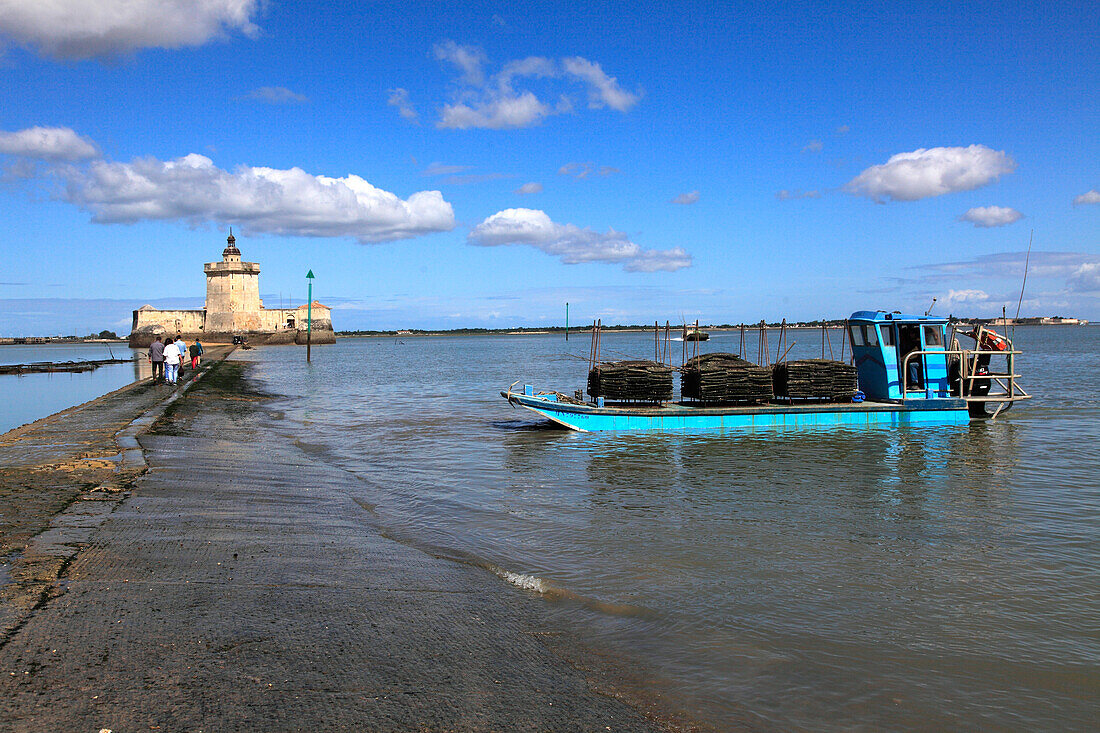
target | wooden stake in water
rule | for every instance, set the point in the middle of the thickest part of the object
(567, 320)
(309, 315)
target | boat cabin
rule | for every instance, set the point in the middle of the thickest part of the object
(900, 357)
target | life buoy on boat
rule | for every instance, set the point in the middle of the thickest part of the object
(990, 340)
(993, 341)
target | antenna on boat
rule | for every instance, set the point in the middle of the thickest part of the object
(931, 306)
(1027, 261)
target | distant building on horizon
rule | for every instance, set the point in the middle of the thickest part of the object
(233, 308)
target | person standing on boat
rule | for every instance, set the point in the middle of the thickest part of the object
(172, 359)
(156, 358)
(196, 354)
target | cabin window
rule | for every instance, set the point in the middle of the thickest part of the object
(856, 334)
(932, 337)
(870, 335)
(887, 335)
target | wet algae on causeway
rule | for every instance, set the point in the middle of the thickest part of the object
(239, 586)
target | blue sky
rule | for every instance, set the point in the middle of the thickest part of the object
(447, 166)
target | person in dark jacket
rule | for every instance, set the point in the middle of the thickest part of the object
(196, 354)
(156, 358)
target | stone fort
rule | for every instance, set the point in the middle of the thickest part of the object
(233, 308)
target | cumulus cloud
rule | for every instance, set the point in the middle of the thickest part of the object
(572, 244)
(276, 95)
(929, 172)
(470, 60)
(499, 113)
(271, 200)
(1086, 278)
(1091, 197)
(814, 146)
(529, 188)
(48, 143)
(399, 98)
(965, 296)
(602, 89)
(686, 198)
(991, 216)
(80, 29)
(494, 102)
(785, 195)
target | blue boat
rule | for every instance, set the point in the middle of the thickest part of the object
(909, 373)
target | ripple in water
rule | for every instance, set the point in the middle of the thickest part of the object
(895, 578)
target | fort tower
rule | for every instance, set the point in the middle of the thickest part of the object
(233, 302)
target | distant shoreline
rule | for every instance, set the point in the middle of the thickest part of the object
(535, 331)
(675, 330)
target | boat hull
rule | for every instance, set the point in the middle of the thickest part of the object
(685, 418)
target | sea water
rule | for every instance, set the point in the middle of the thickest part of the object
(25, 398)
(925, 577)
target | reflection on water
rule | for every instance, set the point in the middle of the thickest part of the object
(28, 397)
(931, 577)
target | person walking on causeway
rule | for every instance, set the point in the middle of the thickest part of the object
(172, 360)
(196, 354)
(156, 358)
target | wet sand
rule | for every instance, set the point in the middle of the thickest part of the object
(236, 585)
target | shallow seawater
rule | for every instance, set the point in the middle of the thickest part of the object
(25, 398)
(934, 577)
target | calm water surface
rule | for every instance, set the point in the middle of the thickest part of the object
(25, 398)
(897, 578)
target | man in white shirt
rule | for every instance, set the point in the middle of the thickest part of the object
(172, 359)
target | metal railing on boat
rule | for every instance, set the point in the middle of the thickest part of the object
(1011, 391)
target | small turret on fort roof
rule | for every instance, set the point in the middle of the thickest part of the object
(231, 253)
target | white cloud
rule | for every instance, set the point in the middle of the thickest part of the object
(399, 98)
(276, 95)
(603, 89)
(814, 146)
(494, 103)
(931, 172)
(529, 188)
(584, 170)
(991, 216)
(1091, 197)
(269, 200)
(79, 29)
(1011, 265)
(965, 296)
(442, 169)
(469, 59)
(532, 66)
(572, 244)
(1086, 278)
(48, 143)
(500, 113)
(843, 130)
(686, 198)
(786, 195)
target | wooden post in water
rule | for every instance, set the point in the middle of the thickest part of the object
(567, 320)
(309, 316)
